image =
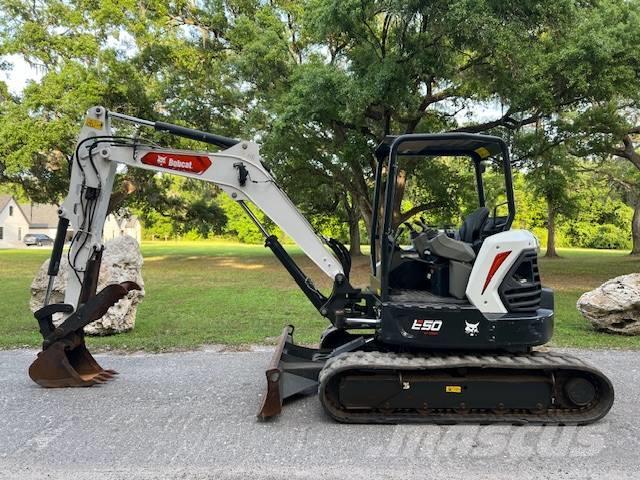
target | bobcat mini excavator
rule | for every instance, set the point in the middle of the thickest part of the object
(444, 333)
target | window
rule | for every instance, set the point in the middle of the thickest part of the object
(11, 210)
(1, 233)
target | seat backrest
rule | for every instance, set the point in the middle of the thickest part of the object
(472, 226)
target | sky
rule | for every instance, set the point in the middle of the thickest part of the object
(19, 75)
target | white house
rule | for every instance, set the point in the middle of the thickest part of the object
(114, 226)
(18, 220)
(13, 222)
(42, 218)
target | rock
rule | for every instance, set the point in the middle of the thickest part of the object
(614, 306)
(121, 261)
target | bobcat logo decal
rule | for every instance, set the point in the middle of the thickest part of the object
(471, 329)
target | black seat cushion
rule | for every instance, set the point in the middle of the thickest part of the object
(472, 226)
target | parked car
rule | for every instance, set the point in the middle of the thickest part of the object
(38, 239)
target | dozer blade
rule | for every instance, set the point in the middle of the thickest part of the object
(293, 370)
(65, 360)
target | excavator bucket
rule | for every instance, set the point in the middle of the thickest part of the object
(65, 360)
(66, 365)
(292, 371)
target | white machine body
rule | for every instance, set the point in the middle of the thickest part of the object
(98, 153)
(497, 255)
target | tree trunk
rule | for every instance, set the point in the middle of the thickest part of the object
(366, 212)
(551, 231)
(354, 238)
(353, 216)
(635, 229)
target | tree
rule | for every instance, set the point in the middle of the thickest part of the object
(38, 129)
(320, 83)
(631, 153)
(352, 72)
(624, 178)
(349, 73)
(550, 173)
(605, 66)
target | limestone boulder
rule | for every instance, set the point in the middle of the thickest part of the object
(121, 262)
(614, 306)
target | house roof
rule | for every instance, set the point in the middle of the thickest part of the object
(40, 215)
(4, 199)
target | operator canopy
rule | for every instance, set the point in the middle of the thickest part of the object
(476, 146)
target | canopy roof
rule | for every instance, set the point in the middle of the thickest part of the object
(458, 144)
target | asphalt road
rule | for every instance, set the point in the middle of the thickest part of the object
(192, 415)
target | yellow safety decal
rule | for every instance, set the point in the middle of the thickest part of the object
(453, 389)
(483, 152)
(93, 123)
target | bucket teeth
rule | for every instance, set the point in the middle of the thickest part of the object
(103, 377)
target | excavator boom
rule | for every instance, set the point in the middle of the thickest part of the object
(237, 169)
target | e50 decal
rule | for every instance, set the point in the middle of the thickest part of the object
(430, 327)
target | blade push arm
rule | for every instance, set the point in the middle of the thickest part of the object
(237, 170)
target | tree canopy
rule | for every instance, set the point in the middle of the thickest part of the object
(319, 83)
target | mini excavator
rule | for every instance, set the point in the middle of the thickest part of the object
(445, 332)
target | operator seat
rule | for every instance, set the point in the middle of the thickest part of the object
(465, 247)
(461, 253)
(446, 247)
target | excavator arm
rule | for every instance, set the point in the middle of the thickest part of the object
(237, 169)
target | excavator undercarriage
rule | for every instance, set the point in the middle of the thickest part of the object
(445, 333)
(371, 385)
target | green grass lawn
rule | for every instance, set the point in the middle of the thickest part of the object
(212, 292)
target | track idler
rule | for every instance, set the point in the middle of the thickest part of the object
(64, 360)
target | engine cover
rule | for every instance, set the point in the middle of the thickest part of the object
(497, 255)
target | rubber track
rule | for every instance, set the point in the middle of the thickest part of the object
(384, 362)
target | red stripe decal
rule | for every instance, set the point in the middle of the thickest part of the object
(497, 262)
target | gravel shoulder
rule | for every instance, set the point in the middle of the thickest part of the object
(192, 415)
